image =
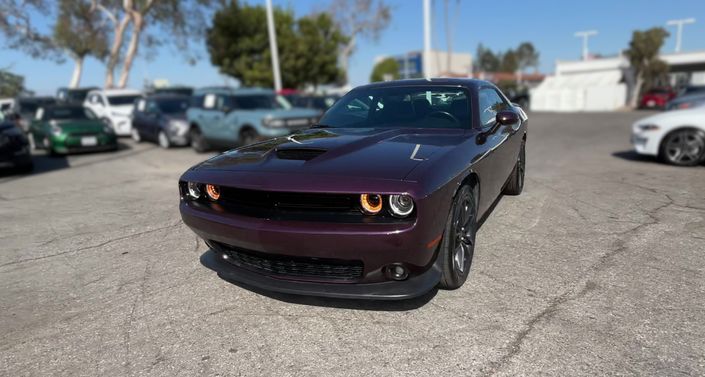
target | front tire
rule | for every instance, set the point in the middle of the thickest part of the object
(164, 141)
(458, 245)
(198, 141)
(684, 147)
(515, 185)
(248, 136)
(136, 135)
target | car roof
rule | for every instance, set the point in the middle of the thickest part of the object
(461, 82)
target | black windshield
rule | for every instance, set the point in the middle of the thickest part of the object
(122, 100)
(173, 106)
(401, 107)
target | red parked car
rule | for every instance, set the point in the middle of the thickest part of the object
(656, 98)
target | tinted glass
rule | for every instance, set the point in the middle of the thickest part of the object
(31, 106)
(490, 104)
(401, 107)
(65, 113)
(122, 100)
(173, 106)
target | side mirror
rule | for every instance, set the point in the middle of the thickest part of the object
(507, 117)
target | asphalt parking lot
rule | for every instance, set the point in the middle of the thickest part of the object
(598, 268)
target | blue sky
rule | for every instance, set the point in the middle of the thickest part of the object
(549, 25)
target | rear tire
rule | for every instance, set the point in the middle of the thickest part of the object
(198, 141)
(684, 147)
(458, 245)
(515, 185)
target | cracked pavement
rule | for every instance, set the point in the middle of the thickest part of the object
(598, 268)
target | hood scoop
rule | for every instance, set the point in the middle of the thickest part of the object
(301, 154)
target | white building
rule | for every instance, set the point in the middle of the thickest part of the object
(605, 84)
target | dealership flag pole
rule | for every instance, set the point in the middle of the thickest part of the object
(586, 35)
(679, 32)
(427, 39)
(273, 47)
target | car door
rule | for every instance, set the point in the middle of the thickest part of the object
(500, 159)
(151, 119)
(210, 118)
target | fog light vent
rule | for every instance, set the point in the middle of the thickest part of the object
(397, 272)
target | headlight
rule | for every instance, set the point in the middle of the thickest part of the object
(55, 129)
(371, 203)
(648, 127)
(401, 205)
(194, 190)
(178, 126)
(107, 129)
(275, 122)
(213, 192)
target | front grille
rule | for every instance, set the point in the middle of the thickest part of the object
(78, 134)
(300, 267)
(303, 154)
(272, 200)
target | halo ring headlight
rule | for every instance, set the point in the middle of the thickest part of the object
(371, 203)
(194, 190)
(213, 191)
(401, 205)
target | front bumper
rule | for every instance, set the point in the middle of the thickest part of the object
(69, 143)
(645, 142)
(388, 290)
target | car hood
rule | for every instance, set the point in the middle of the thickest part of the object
(360, 152)
(669, 117)
(80, 126)
(123, 110)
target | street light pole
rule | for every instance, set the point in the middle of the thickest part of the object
(586, 35)
(427, 39)
(679, 31)
(273, 47)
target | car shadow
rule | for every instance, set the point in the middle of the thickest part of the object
(338, 303)
(631, 155)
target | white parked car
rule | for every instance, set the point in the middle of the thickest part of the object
(114, 106)
(677, 137)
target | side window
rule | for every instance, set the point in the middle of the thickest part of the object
(141, 105)
(209, 101)
(152, 107)
(490, 104)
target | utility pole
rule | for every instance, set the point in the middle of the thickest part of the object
(585, 35)
(679, 24)
(427, 39)
(273, 47)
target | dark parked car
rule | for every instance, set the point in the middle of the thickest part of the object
(161, 119)
(688, 101)
(73, 95)
(308, 101)
(62, 129)
(14, 148)
(380, 200)
(26, 108)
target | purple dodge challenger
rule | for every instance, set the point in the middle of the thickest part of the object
(380, 200)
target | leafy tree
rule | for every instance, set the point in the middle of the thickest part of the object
(527, 56)
(510, 61)
(80, 31)
(487, 61)
(11, 85)
(644, 61)
(317, 42)
(18, 19)
(152, 23)
(238, 44)
(386, 67)
(358, 19)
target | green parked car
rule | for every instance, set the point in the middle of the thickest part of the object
(62, 129)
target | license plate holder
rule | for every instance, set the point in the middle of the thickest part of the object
(89, 141)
